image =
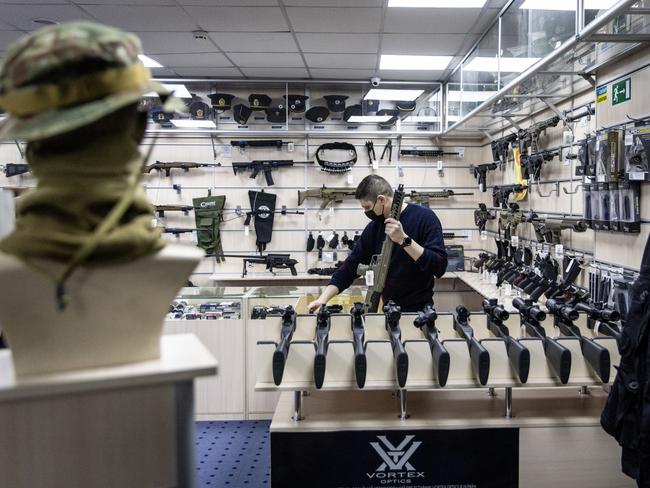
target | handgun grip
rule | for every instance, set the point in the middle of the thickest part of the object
(269, 177)
(519, 356)
(480, 360)
(280, 359)
(401, 362)
(320, 360)
(360, 363)
(441, 361)
(598, 358)
(248, 219)
(292, 267)
(559, 357)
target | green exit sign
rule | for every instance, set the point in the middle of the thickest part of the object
(621, 91)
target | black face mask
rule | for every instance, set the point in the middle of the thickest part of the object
(373, 216)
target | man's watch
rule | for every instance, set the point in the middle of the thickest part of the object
(406, 242)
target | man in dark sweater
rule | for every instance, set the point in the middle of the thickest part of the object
(418, 255)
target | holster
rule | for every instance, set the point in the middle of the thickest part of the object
(208, 213)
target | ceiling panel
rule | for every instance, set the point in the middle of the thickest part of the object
(411, 75)
(267, 60)
(142, 18)
(430, 21)
(341, 60)
(162, 72)
(339, 43)
(333, 3)
(255, 42)
(231, 3)
(354, 20)
(174, 43)
(22, 16)
(237, 19)
(484, 21)
(8, 37)
(424, 44)
(202, 60)
(342, 74)
(211, 72)
(120, 2)
(275, 72)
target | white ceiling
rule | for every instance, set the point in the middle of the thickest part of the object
(285, 39)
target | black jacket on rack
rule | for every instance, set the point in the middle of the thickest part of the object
(627, 413)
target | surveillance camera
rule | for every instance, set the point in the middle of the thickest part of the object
(375, 81)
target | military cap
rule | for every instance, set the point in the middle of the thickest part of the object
(259, 102)
(351, 111)
(317, 114)
(276, 115)
(370, 106)
(296, 102)
(390, 122)
(405, 106)
(65, 76)
(241, 113)
(199, 110)
(159, 116)
(221, 101)
(336, 103)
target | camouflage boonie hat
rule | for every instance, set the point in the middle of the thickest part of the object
(62, 77)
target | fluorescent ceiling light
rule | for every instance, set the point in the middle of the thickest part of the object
(422, 119)
(566, 5)
(398, 61)
(393, 95)
(437, 3)
(469, 96)
(370, 118)
(506, 65)
(193, 124)
(149, 62)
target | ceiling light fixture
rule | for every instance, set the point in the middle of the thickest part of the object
(468, 96)
(422, 119)
(370, 118)
(505, 65)
(437, 3)
(149, 62)
(393, 95)
(193, 124)
(566, 5)
(407, 62)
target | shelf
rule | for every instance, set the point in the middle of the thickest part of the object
(316, 133)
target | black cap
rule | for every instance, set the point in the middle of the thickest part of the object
(159, 116)
(259, 102)
(336, 103)
(199, 111)
(317, 114)
(276, 115)
(405, 106)
(296, 102)
(351, 111)
(370, 106)
(221, 101)
(241, 113)
(390, 122)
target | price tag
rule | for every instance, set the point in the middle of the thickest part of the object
(400, 171)
(484, 235)
(515, 240)
(461, 152)
(567, 136)
(350, 179)
(195, 238)
(375, 165)
(247, 230)
(629, 139)
(226, 151)
(370, 278)
(328, 257)
(290, 146)
(331, 210)
(559, 250)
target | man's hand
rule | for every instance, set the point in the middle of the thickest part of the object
(316, 305)
(395, 231)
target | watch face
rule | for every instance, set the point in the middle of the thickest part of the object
(407, 242)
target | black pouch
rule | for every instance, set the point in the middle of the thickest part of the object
(263, 207)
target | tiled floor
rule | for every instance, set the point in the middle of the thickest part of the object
(233, 454)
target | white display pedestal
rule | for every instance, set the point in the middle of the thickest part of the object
(128, 426)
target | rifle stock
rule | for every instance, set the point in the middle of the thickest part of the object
(358, 338)
(479, 356)
(323, 324)
(393, 313)
(282, 350)
(426, 322)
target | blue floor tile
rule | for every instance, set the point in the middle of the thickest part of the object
(233, 454)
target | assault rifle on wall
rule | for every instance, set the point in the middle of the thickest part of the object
(527, 138)
(271, 261)
(266, 166)
(501, 194)
(184, 165)
(549, 229)
(531, 166)
(328, 196)
(423, 197)
(482, 215)
(500, 148)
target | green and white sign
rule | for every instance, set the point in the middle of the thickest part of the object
(621, 91)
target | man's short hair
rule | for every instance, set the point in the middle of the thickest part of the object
(371, 187)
